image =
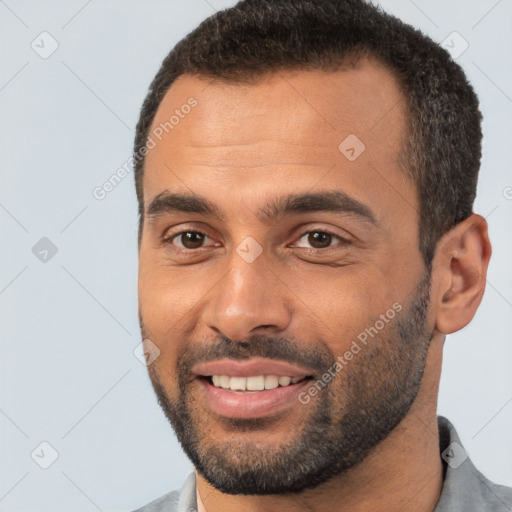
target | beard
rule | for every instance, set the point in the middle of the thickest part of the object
(358, 409)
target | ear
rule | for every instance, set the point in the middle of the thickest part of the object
(459, 272)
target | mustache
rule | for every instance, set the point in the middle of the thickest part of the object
(318, 359)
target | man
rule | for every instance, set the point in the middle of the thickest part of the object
(305, 173)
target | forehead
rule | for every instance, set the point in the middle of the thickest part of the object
(291, 124)
(356, 97)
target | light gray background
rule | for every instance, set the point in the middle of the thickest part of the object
(69, 325)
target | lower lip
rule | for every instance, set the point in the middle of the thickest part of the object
(240, 404)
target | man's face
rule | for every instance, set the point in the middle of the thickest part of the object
(302, 262)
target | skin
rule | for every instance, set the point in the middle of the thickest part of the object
(243, 145)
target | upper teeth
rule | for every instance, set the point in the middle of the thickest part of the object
(257, 383)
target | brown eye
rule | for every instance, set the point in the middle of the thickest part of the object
(191, 239)
(319, 239)
(188, 242)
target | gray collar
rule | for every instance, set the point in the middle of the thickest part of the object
(465, 489)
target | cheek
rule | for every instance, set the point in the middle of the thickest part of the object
(339, 305)
(165, 293)
(170, 300)
(162, 308)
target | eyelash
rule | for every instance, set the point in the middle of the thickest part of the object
(168, 240)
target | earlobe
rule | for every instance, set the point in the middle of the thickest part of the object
(460, 267)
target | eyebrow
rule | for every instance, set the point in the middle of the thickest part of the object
(328, 201)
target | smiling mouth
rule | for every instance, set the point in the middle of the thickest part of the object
(253, 384)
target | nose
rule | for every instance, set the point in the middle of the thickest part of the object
(250, 299)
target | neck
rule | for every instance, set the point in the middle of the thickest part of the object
(404, 472)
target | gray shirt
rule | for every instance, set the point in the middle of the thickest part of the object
(465, 489)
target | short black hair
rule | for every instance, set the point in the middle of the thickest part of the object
(442, 150)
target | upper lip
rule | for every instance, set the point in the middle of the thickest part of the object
(249, 367)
